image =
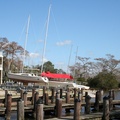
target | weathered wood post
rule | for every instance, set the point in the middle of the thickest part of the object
(8, 106)
(44, 89)
(75, 90)
(97, 98)
(36, 98)
(105, 108)
(77, 108)
(100, 95)
(82, 92)
(46, 98)
(20, 109)
(61, 91)
(25, 98)
(58, 108)
(21, 93)
(52, 95)
(6, 93)
(39, 110)
(88, 105)
(33, 94)
(67, 97)
(110, 100)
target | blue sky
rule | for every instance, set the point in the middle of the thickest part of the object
(92, 26)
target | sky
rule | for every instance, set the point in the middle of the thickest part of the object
(85, 28)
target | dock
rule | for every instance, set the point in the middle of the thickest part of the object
(56, 101)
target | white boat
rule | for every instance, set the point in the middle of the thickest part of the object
(66, 84)
(26, 78)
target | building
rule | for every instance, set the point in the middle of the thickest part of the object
(1, 68)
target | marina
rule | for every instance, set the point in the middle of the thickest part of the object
(57, 104)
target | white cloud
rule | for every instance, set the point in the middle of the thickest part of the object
(34, 55)
(65, 42)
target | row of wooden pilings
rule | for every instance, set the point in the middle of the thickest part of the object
(38, 103)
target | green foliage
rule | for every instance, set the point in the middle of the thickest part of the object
(48, 66)
(103, 81)
(81, 80)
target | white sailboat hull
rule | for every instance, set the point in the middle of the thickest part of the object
(27, 78)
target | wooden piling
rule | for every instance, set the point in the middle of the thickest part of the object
(52, 96)
(105, 108)
(44, 89)
(8, 106)
(87, 105)
(36, 98)
(97, 97)
(61, 91)
(21, 93)
(6, 93)
(39, 111)
(33, 94)
(46, 98)
(75, 90)
(110, 100)
(67, 97)
(77, 108)
(20, 110)
(25, 98)
(59, 108)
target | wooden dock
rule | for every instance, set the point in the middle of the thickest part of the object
(55, 101)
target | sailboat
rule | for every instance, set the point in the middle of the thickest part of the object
(26, 78)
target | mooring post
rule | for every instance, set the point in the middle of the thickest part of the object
(36, 98)
(105, 108)
(44, 89)
(58, 108)
(86, 94)
(33, 94)
(79, 95)
(77, 109)
(46, 98)
(6, 93)
(25, 98)
(21, 93)
(67, 97)
(61, 91)
(88, 105)
(110, 100)
(8, 106)
(39, 110)
(20, 109)
(100, 95)
(97, 97)
(52, 95)
(82, 92)
(75, 90)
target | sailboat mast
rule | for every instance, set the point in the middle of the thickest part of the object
(75, 63)
(26, 41)
(47, 24)
(69, 58)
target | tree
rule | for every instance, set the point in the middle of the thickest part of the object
(48, 66)
(103, 80)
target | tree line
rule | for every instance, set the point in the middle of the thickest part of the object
(102, 73)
